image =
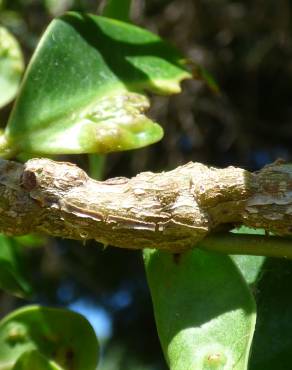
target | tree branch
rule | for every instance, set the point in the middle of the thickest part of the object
(169, 210)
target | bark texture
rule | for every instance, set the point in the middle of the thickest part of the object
(170, 210)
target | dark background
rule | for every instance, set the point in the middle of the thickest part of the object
(247, 48)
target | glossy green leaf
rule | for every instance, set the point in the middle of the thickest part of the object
(84, 88)
(33, 360)
(204, 312)
(12, 279)
(11, 66)
(60, 335)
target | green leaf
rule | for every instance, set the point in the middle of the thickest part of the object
(273, 340)
(248, 230)
(30, 240)
(12, 279)
(118, 9)
(204, 312)
(84, 88)
(60, 335)
(33, 360)
(250, 266)
(11, 66)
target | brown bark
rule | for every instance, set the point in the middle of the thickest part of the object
(169, 210)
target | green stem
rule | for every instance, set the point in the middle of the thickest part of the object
(96, 165)
(269, 246)
(118, 9)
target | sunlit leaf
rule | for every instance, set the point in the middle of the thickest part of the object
(11, 66)
(11, 276)
(60, 335)
(248, 230)
(84, 88)
(33, 360)
(204, 312)
(250, 266)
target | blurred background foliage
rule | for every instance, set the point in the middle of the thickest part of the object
(247, 46)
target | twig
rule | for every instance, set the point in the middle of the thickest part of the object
(169, 210)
